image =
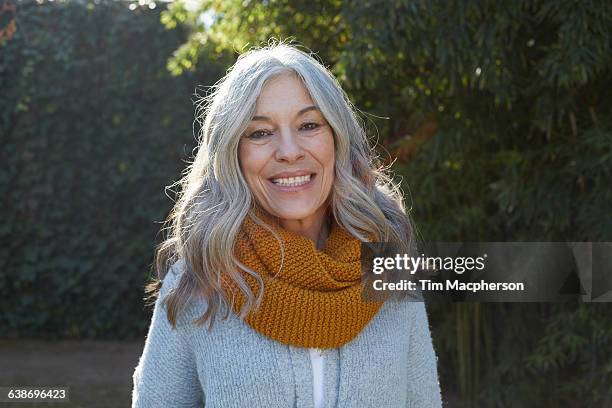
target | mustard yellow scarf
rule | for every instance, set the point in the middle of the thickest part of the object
(311, 298)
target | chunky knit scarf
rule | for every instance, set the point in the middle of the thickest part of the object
(311, 298)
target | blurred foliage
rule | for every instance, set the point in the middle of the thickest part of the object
(93, 127)
(497, 116)
(7, 21)
(496, 100)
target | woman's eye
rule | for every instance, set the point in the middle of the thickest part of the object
(258, 134)
(310, 126)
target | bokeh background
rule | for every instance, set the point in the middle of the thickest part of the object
(496, 116)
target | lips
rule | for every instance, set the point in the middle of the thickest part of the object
(290, 178)
(289, 181)
(295, 173)
(292, 181)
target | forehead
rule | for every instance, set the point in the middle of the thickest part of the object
(283, 93)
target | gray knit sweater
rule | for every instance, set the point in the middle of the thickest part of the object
(391, 363)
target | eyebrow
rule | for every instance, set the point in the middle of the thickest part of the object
(301, 112)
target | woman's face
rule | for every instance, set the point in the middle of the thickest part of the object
(287, 152)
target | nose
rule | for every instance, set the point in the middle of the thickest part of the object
(288, 148)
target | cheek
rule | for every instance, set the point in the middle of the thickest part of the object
(327, 154)
(251, 161)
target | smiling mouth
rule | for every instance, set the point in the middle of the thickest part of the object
(293, 181)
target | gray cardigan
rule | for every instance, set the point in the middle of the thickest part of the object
(391, 363)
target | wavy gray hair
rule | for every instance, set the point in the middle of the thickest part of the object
(214, 198)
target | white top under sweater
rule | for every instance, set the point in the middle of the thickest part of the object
(318, 376)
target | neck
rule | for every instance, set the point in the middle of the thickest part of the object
(313, 227)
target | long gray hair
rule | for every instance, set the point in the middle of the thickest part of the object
(214, 198)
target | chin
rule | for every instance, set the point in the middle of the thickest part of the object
(296, 212)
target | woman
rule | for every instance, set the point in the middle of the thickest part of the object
(267, 234)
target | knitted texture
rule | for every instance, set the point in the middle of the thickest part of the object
(311, 298)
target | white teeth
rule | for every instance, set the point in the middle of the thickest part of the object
(292, 181)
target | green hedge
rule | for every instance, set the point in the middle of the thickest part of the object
(93, 128)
